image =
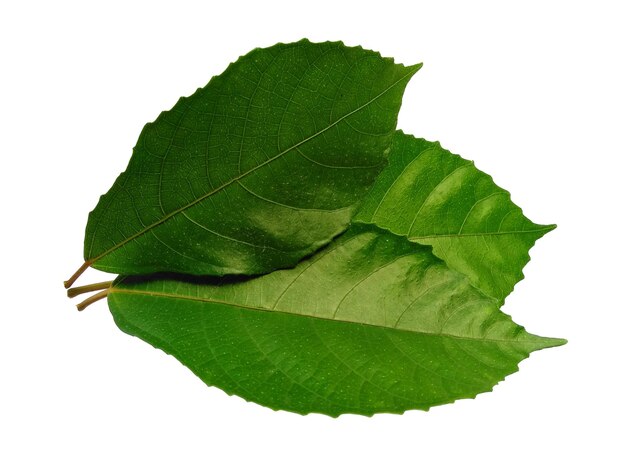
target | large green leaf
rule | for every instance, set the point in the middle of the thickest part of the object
(256, 170)
(436, 198)
(372, 323)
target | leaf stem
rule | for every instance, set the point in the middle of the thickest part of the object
(94, 298)
(74, 291)
(77, 274)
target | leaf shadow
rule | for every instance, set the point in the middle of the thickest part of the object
(186, 278)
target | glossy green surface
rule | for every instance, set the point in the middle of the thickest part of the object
(256, 170)
(372, 323)
(436, 198)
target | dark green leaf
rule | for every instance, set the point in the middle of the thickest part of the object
(373, 323)
(258, 169)
(436, 198)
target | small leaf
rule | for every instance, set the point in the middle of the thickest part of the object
(436, 198)
(372, 323)
(258, 169)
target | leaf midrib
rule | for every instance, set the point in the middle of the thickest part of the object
(481, 234)
(543, 229)
(146, 229)
(116, 290)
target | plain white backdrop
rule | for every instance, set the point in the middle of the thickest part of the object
(533, 92)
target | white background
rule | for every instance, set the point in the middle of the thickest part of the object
(533, 92)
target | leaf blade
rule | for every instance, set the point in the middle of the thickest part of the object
(436, 198)
(226, 167)
(308, 340)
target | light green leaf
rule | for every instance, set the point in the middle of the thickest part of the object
(256, 170)
(436, 198)
(372, 323)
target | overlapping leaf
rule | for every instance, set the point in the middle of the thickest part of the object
(373, 323)
(258, 169)
(436, 198)
(269, 163)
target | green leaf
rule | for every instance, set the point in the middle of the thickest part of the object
(436, 198)
(372, 323)
(261, 167)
